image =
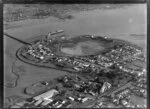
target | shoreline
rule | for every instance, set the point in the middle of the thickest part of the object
(18, 53)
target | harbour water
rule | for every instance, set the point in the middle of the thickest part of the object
(127, 22)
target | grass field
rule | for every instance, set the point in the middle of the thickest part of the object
(83, 48)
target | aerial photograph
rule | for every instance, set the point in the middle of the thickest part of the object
(75, 55)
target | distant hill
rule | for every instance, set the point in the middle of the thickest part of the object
(74, 1)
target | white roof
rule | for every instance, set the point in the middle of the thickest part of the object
(46, 95)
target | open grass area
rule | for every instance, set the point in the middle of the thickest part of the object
(83, 48)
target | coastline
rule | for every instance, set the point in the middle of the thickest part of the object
(18, 53)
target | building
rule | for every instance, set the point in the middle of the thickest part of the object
(54, 35)
(46, 95)
(105, 87)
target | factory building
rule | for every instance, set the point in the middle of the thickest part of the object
(46, 95)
